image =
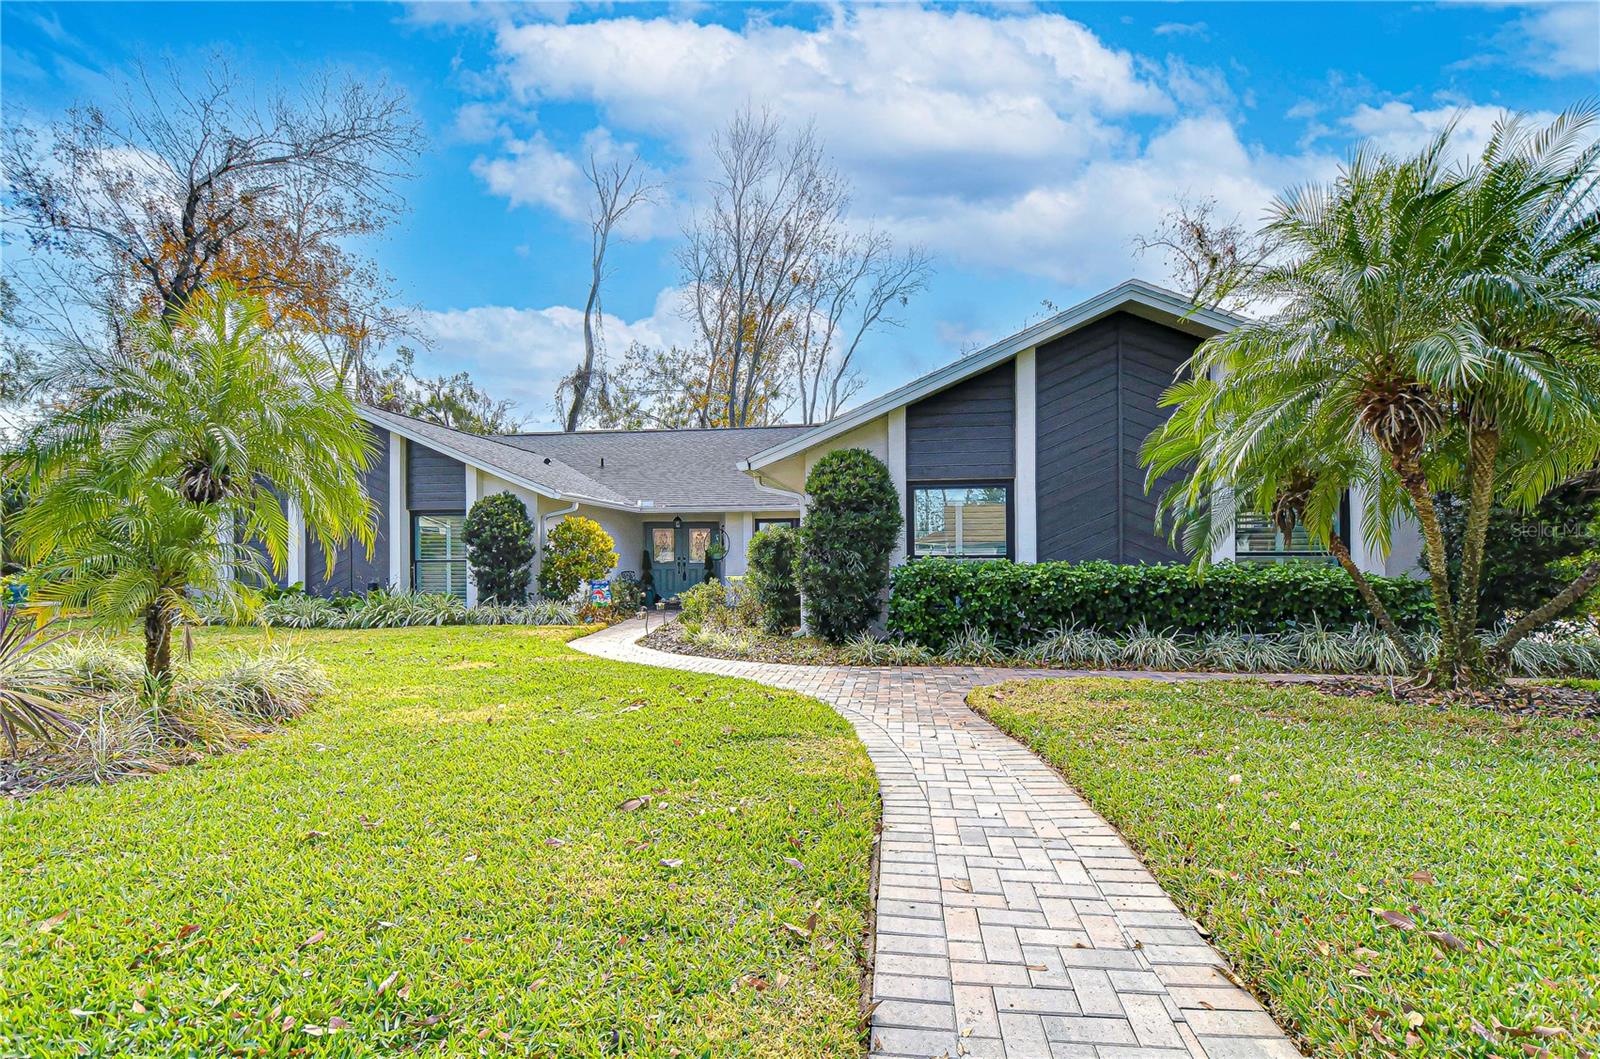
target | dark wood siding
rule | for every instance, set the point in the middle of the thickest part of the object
(434, 481)
(966, 432)
(1097, 392)
(353, 569)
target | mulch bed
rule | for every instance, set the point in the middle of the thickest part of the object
(1518, 697)
(778, 650)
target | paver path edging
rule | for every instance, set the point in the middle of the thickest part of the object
(1012, 921)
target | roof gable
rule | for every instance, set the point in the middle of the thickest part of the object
(1133, 296)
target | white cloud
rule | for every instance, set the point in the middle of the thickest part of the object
(1014, 142)
(906, 99)
(1078, 230)
(1559, 39)
(1400, 128)
(532, 173)
(521, 353)
(1183, 29)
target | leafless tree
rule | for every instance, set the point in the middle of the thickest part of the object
(189, 179)
(776, 207)
(618, 188)
(856, 285)
(1205, 254)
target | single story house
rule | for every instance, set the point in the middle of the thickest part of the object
(1027, 449)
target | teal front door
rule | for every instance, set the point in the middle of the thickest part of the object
(678, 555)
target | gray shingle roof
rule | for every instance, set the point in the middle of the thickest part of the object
(674, 468)
(525, 462)
(671, 469)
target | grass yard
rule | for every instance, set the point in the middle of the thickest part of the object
(1394, 879)
(446, 857)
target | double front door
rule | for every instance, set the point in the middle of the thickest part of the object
(678, 555)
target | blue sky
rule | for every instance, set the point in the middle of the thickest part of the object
(1021, 145)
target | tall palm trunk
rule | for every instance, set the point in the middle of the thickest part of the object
(1369, 595)
(1485, 447)
(1416, 485)
(1500, 654)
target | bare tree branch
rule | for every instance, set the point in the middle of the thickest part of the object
(618, 188)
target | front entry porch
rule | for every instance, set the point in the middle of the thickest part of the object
(683, 554)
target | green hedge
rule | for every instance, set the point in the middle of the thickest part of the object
(932, 601)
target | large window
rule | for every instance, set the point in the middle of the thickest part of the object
(439, 554)
(1257, 539)
(961, 521)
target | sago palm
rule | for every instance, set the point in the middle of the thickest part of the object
(192, 442)
(1439, 319)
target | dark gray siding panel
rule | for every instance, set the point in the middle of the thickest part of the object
(1152, 356)
(966, 432)
(353, 569)
(434, 481)
(1097, 392)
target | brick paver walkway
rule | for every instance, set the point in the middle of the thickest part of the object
(1012, 921)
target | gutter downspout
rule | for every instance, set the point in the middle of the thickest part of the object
(544, 522)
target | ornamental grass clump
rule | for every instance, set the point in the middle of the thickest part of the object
(1073, 646)
(864, 649)
(1146, 648)
(272, 686)
(119, 721)
(974, 647)
(1236, 651)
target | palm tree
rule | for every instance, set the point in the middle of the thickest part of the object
(1433, 325)
(1300, 481)
(181, 450)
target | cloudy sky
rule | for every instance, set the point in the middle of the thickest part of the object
(1022, 145)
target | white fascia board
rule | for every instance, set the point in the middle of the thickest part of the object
(417, 437)
(1134, 292)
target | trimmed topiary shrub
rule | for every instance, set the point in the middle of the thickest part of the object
(500, 547)
(933, 601)
(772, 556)
(577, 550)
(851, 525)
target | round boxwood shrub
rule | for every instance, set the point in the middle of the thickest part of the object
(577, 550)
(849, 532)
(500, 547)
(772, 556)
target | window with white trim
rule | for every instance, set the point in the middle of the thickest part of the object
(439, 554)
(960, 521)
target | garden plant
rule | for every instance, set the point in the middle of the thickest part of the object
(167, 479)
(850, 528)
(1431, 328)
(500, 548)
(577, 550)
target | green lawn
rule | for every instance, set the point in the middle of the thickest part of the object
(436, 859)
(1289, 823)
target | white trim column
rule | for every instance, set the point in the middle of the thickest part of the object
(1225, 549)
(295, 568)
(399, 516)
(897, 473)
(1368, 560)
(472, 498)
(1025, 488)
